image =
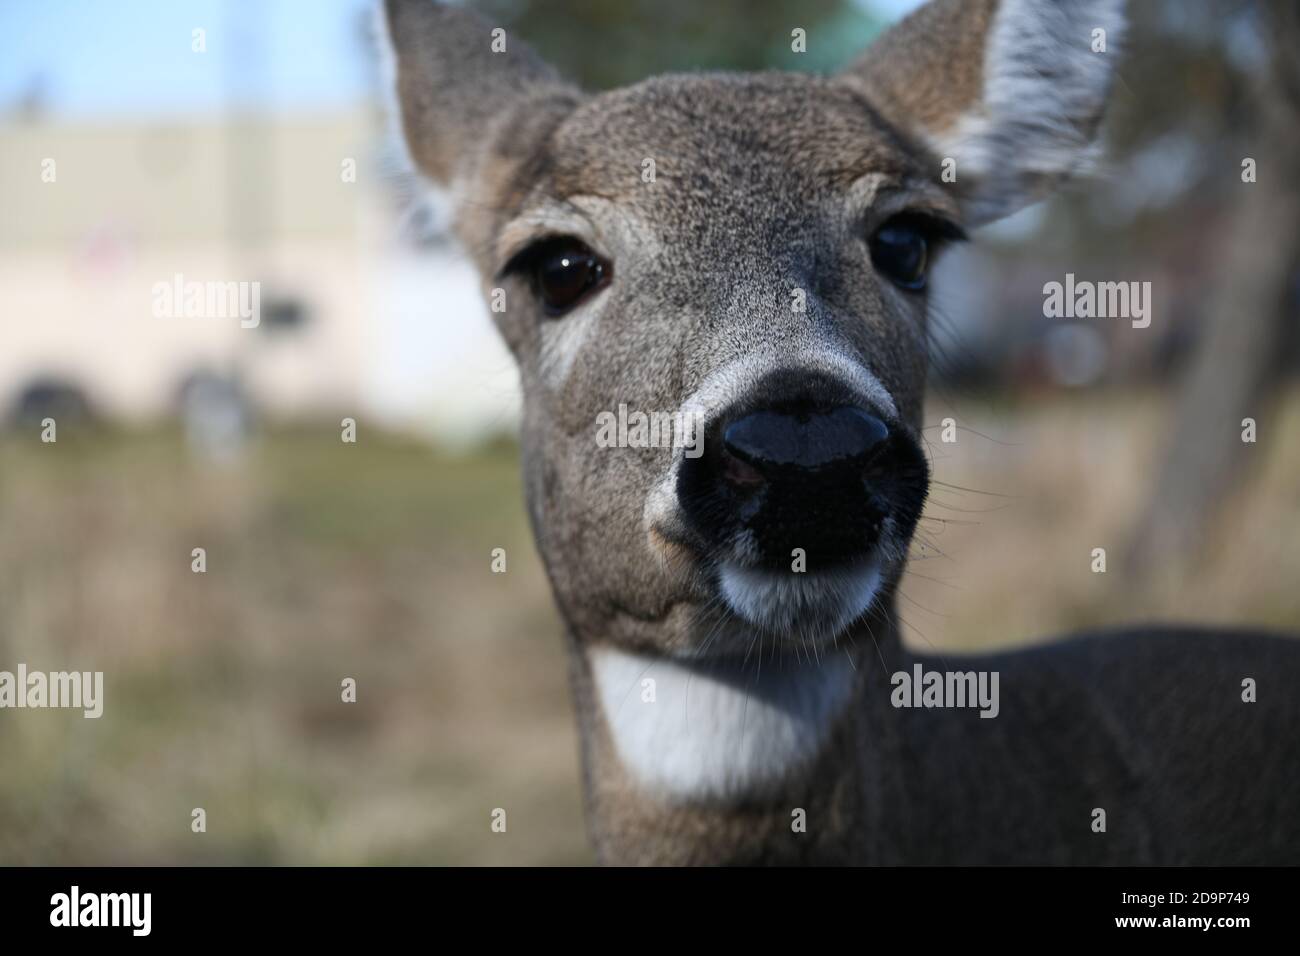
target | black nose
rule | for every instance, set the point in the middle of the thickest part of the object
(805, 470)
(785, 445)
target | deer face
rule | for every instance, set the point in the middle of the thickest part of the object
(715, 288)
(745, 258)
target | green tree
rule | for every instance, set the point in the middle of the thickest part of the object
(607, 43)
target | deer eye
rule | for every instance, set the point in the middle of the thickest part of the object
(563, 272)
(901, 250)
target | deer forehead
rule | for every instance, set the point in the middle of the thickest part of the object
(747, 144)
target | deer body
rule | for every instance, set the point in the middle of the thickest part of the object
(1096, 722)
(753, 250)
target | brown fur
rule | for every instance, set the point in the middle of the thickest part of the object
(930, 67)
(754, 196)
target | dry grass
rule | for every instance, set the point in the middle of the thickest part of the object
(372, 561)
(1067, 477)
(223, 689)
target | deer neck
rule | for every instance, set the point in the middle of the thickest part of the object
(706, 762)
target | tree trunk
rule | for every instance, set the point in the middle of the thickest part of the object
(1234, 373)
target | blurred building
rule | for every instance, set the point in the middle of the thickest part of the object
(353, 319)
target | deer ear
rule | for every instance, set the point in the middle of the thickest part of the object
(1011, 90)
(466, 92)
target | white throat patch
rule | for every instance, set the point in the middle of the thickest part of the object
(707, 730)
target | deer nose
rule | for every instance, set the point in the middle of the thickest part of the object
(803, 472)
(771, 445)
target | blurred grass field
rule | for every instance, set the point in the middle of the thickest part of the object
(372, 561)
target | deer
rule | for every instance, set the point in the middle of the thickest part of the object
(755, 250)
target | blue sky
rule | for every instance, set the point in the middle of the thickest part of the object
(105, 59)
(110, 58)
